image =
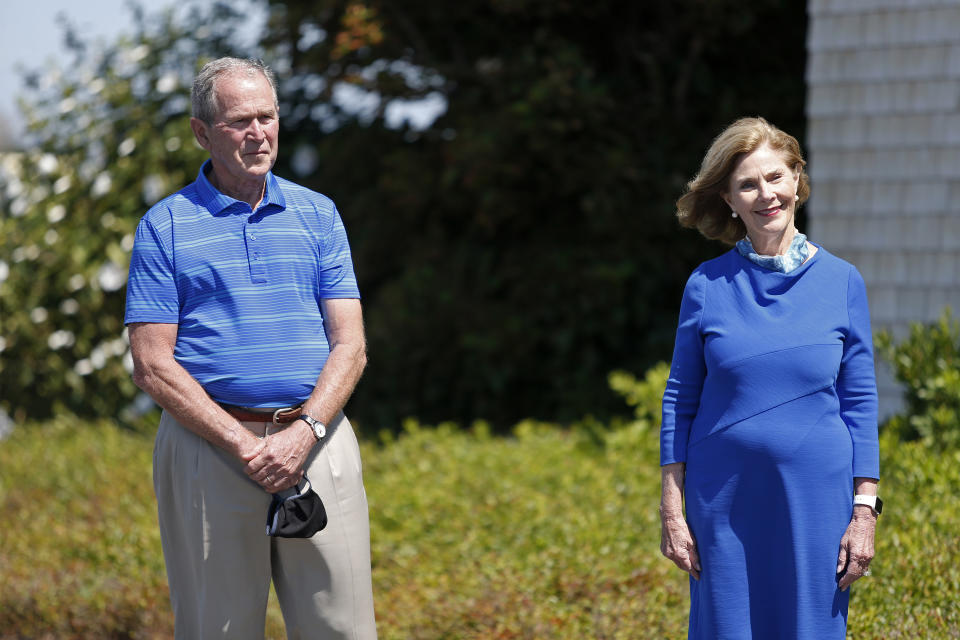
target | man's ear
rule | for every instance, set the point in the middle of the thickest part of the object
(200, 132)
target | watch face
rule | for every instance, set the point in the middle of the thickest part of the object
(319, 430)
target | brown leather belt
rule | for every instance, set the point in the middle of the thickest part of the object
(283, 415)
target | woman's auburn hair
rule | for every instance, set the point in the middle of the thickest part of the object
(702, 207)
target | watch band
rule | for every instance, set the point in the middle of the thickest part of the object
(873, 502)
(319, 429)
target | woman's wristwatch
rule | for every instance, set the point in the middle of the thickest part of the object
(873, 502)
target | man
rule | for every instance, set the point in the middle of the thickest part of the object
(246, 328)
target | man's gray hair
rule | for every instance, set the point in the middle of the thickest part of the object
(204, 92)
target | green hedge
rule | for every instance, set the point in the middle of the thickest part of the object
(549, 533)
(927, 363)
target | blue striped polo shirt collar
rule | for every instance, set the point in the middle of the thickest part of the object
(217, 202)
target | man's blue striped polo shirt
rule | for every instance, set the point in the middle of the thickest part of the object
(244, 287)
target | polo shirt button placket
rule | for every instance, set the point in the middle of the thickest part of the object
(258, 271)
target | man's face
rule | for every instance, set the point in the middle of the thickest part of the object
(242, 139)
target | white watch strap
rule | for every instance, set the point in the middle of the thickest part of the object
(870, 501)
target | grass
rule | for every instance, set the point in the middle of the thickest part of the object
(551, 533)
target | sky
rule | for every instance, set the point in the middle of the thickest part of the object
(31, 37)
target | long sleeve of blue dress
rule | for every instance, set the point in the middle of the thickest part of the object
(856, 382)
(681, 398)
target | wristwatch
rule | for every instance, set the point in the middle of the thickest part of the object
(319, 429)
(873, 502)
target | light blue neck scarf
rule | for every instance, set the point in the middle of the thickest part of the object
(795, 256)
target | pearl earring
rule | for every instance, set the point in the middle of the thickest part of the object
(733, 214)
(797, 197)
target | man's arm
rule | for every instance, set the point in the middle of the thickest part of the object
(157, 372)
(343, 323)
(279, 465)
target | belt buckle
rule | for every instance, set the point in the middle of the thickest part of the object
(279, 411)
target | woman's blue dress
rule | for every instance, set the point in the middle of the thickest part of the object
(772, 405)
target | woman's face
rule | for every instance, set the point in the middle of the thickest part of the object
(762, 190)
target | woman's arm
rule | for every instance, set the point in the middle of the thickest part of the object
(857, 391)
(681, 399)
(676, 539)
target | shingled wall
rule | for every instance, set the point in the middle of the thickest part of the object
(883, 143)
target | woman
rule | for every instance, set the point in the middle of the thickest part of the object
(769, 414)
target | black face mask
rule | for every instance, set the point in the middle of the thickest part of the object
(299, 514)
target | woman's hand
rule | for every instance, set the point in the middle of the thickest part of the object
(677, 543)
(676, 539)
(856, 546)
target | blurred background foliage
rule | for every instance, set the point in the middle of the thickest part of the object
(927, 364)
(506, 170)
(108, 136)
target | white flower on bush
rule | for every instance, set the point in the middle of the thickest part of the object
(136, 54)
(14, 186)
(56, 213)
(39, 193)
(31, 252)
(69, 306)
(167, 82)
(115, 347)
(4, 271)
(47, 164)
(38, 315)
(18, 207)
(67, 105)
(61, 185)
(76, 282)
(59, 339)
(126, 147)
(101, 185)
(111, 277)
(98, 357)
(83, 367)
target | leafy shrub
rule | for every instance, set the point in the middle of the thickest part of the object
(540, 534)
(80, 550)
(927, 362)
(645, 396)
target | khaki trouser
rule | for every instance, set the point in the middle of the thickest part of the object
(220, 561)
